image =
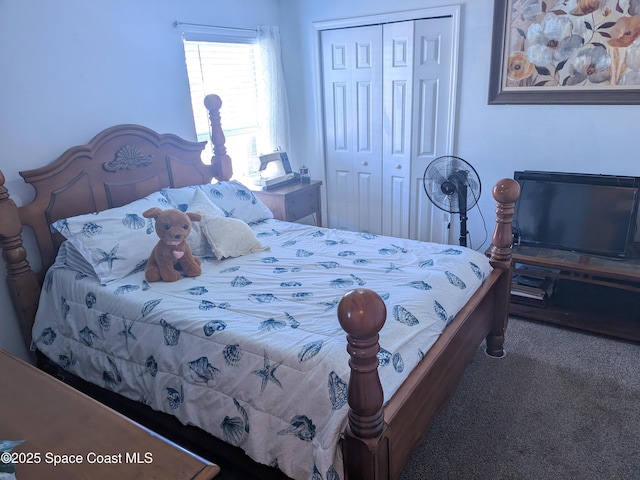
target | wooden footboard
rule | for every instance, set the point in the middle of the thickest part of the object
(378, 441)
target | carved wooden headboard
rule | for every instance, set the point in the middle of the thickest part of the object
(121, 164)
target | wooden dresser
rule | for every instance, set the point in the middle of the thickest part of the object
(68, 435)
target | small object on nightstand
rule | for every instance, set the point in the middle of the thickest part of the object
(304, 174)
(275, 170)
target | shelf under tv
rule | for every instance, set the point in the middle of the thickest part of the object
(592, 293)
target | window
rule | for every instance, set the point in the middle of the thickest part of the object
(228, 69)
(244, 67)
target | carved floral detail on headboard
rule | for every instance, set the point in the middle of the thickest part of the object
(127, 158)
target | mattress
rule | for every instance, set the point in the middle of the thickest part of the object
(251, 351)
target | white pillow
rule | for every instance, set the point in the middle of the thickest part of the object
(117, 241)
(69, 257)
(237, 201)
(230, 237)
(181, 197)
(201, 204)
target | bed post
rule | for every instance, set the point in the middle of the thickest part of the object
(505, 192)
(220, 161)
(362, 314)
(23, 284)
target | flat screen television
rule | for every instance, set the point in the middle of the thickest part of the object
(594, 214)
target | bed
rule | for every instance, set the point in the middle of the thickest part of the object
(386, 324)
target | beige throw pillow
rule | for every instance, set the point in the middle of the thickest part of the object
(230, 237)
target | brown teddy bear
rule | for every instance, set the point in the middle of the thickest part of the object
(173, 228)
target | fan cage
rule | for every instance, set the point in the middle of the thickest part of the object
(447, 172)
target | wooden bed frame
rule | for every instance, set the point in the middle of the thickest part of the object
(127, 162)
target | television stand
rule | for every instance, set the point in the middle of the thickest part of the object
(593, 293)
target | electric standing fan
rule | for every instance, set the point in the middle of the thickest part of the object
(452, 185)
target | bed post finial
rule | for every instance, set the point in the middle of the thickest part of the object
(23, 284)
(505, 192)
(362, 314)
(220, 161)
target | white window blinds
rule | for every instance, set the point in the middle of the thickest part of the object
(244, 68)
(227, 69)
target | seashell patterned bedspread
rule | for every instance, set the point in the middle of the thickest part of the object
(252, 351)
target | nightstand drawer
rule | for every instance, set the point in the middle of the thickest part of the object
(302, 204)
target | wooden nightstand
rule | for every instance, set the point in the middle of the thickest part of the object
(86, 438)
(293, 202)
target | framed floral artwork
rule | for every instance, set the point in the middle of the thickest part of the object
(565, 52)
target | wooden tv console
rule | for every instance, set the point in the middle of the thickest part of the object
(593, 293)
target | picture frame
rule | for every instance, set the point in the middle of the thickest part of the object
(593, 64)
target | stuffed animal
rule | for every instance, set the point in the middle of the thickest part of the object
(172, 250)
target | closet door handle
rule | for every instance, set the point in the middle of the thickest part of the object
(399, 166)
(365, 163)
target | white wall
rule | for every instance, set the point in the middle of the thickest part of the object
(71, 68)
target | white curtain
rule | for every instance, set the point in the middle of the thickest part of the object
(273, 107)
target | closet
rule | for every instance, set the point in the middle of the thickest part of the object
(388, 108)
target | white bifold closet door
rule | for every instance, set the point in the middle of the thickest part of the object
(387, 97)
(352, 66)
